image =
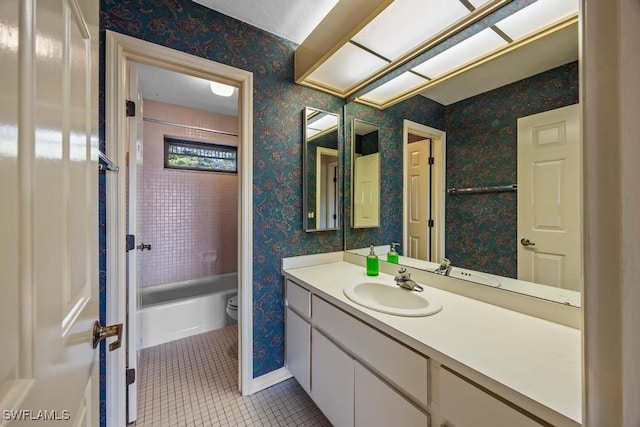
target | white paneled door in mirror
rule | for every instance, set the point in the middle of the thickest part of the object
(549, 198)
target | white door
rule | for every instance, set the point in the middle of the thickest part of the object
(331, 182)
(326, 158)
(48, 219)
(419, 182)
(134, 260)
(549, 198)
(366, 209)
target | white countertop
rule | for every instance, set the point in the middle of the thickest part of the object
(538, 359)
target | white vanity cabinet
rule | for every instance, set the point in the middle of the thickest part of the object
(298, 334)
(463, 404)
(354, 373)
(298, 348)
(379, 405)
(332, 376)
(472, 364)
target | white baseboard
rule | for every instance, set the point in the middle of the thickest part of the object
(270, 379)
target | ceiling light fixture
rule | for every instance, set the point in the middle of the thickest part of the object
(221, 89)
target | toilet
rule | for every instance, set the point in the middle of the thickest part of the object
(232, 307)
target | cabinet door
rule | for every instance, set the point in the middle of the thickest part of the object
(377, 404)
(332, 380)
(298, 343)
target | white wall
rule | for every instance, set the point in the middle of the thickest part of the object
(611, 101)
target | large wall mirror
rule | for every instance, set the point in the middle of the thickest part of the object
(321, 168)
(365, 170)
(505, 199)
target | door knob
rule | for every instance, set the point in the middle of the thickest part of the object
(142, 247)
(526, 242)
(101, 332)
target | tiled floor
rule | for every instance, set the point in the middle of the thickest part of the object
(193, 382)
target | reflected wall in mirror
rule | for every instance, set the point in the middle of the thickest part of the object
(321, 160)
(390, 125)
(366, 174)
(481, 229)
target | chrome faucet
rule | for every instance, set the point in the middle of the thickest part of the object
(404, 281)
(445, 267)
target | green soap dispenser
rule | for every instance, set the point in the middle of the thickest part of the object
(372, 263)
(392, 255)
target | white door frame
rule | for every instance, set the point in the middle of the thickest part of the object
(439, 182)
(119, 49)
(321, 170)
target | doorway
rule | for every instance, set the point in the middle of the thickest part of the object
(326, 191)
(121, 51)
(424, 168)
(182, 202)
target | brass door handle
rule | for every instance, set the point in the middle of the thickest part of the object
(526, 242)
(102, 332)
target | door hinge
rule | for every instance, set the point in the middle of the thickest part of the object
(430, 223)
(130, 376)
(131, 242)
(131, 108)
(431, 160)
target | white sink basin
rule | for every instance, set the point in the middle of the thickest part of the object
(391, 299)
(472, 276)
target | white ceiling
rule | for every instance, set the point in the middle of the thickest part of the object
(180, 89)
(293, 20)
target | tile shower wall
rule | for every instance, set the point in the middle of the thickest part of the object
(190, 218)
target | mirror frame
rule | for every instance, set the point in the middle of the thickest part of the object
(305, 172)
(353, 170)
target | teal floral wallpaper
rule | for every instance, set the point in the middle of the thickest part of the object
(481, 229)
(277, 134)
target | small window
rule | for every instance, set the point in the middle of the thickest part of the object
(199, 156)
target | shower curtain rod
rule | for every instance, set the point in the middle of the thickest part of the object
(164, 122)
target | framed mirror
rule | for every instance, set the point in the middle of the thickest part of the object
(485, 123)
(321, 169)
(365, 170)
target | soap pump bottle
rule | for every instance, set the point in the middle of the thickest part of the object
(372, 262)
(392, 255)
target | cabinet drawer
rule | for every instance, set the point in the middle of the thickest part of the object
(402, 367)
(298, 298)
(463, 404)
(378, 405)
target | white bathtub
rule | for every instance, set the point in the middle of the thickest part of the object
(177, 310)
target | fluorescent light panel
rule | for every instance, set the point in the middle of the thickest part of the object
(324, 122)
(405, 24)
(348, 66)
(536, 16)
(466, 51)
(394, 87)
